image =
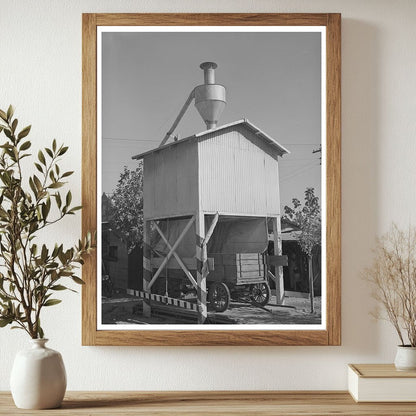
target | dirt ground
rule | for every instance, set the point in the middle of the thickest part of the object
(125, 309)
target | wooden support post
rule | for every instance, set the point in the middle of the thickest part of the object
(278, 273)
(147, 267)
(311, 290)
(202, 269)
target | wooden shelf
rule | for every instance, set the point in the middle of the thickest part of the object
(318, 403)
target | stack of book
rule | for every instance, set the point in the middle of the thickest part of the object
(381, 383)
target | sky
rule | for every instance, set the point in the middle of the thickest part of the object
(272, 79)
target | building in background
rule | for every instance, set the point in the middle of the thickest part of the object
(114, 248)
(295, 274)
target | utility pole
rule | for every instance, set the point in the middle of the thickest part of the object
(319, 151)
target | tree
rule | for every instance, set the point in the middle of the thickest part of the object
(127, 206)
(308, 219)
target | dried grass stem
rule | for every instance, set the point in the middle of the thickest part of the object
(393, 276)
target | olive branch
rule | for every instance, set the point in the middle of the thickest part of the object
(31, 273)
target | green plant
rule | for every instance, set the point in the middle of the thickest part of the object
(30, 272)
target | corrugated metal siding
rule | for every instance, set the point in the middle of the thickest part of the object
(237, 175)
(171, 181)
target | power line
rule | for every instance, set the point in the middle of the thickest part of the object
(298, 172)
(294, 171)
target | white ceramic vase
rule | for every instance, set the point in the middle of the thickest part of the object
(38, 378)
(405, 358)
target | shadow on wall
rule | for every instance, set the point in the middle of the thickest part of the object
(360, 181)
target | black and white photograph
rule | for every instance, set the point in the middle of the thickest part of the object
(211, 197)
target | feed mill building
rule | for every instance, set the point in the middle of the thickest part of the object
(208, 201)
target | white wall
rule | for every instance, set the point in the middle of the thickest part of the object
(40, 73)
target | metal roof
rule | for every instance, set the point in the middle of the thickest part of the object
(244, 122)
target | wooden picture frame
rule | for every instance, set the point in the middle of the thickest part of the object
(331, 335)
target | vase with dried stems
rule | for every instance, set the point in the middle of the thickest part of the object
(31, 273)
(393, 277)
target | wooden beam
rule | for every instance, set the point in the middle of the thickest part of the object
(171, 251)
(178, 259)
(277, 260)
(294, 294)
(211, 228)
(189, 262)
(271, 275)
(163, 299)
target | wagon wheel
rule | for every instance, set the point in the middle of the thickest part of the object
(260, 294)
(219, 296)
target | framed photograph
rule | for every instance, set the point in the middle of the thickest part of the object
(211, 172)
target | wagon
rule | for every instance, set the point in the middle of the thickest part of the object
(231, 276)
(236, 261)
(236, 275)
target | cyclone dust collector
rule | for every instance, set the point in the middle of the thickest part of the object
(210, 97)
(209, 100)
